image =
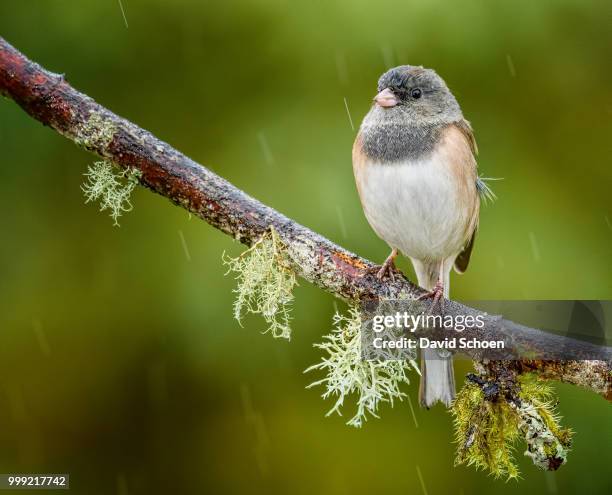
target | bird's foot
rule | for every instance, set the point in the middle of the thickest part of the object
(388, 268)
(437, 294)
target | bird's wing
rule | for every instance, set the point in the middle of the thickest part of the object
(463, 259)
(466, 129)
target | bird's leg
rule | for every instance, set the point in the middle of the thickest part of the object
(437, 293)
(387, 267)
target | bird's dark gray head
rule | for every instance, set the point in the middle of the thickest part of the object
(412, 107)
(417, 94)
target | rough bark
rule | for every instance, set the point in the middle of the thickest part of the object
(48, 98)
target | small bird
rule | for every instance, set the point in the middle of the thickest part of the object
(416, 174)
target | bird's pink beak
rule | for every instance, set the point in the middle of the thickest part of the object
(386, 98)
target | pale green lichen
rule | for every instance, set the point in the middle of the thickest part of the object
(486, 430)
(111, 187)
(265, 284)
(94, 133)
(373, 382)
(547, 443)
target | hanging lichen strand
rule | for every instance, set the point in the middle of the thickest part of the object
(264, 284)
(490, 415)
(111, 187)
(373, 382)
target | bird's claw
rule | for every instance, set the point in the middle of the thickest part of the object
(437, 294)
(383, 271)
(387, 268)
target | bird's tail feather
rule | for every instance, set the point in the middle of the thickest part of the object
(437, 375)
(437, 379)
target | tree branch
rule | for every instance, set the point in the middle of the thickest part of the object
(48, 98)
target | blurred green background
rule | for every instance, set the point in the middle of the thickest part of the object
(120, 362)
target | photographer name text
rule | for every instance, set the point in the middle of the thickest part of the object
(411, 322)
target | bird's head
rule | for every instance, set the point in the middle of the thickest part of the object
(415, 93)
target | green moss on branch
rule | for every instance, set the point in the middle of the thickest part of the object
(490, 415)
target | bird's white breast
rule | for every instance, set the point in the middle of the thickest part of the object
(416, 206)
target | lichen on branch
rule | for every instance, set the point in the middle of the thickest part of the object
(265, 283)
(94, 132)
(111, 187)
(547, 442)
(491, 415)
(373, 382)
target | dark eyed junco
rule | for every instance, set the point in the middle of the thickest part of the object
(416, 175)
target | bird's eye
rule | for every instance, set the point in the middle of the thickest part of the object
(416, 93)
